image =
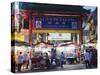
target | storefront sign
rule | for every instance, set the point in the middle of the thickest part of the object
(59, 36)
(57, 22)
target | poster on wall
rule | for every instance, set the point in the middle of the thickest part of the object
(49, 38)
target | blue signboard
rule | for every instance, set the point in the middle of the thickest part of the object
(57, 22)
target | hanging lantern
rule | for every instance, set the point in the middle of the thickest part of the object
(25, 16)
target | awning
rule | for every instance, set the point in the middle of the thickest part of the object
(17, 36)
(19, 43)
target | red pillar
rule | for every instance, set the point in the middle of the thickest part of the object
(30, 28)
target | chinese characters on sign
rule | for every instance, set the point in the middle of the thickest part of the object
(57, 22)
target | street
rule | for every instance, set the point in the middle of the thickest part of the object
(72, 67)
(65, 68)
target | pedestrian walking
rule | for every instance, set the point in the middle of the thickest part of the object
(62, 57)
(94, 58)
(53, 54)
(87, 58)
(20, 61)
(26, 59)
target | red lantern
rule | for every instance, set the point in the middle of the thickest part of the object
(25, 16)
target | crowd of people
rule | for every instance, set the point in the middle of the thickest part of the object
(52, 61)
(23, 60)
(90, 57)
(44, 61)
(20, 62)
(57, 62)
